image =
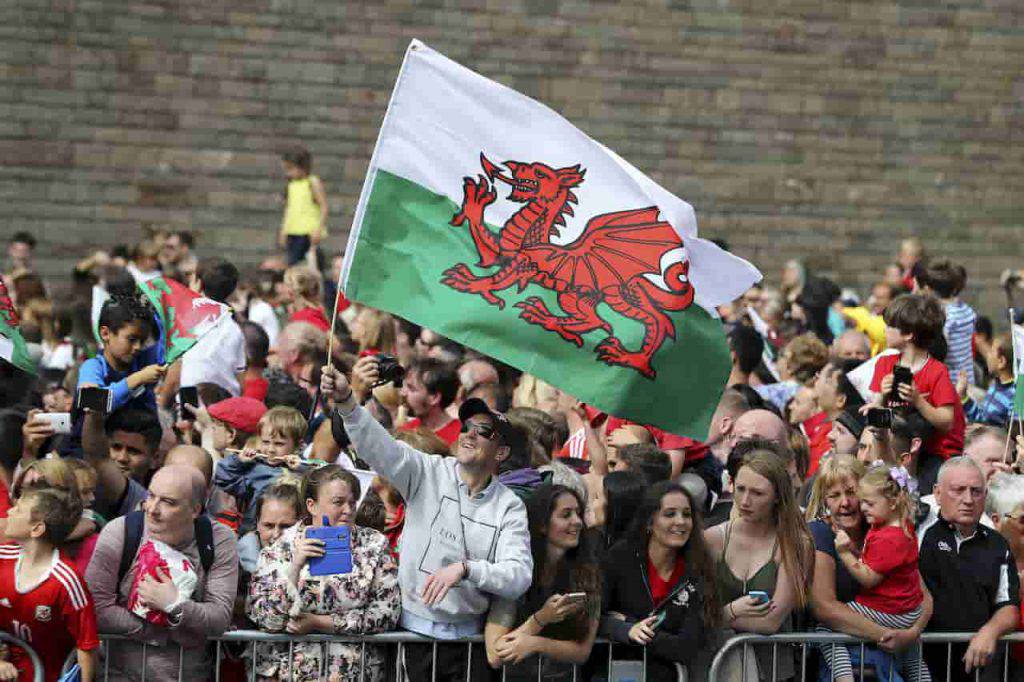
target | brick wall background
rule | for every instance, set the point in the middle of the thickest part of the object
(825, 130)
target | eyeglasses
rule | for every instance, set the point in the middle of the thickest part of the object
(485, 431)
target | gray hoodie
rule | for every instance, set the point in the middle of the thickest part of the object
(444, 525)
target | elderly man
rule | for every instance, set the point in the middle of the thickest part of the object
(851, 345)
(301, 349)
(172, 516)
(466, 538)
(984, 446)
(970, 570)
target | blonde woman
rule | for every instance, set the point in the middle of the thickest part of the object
(303, 294)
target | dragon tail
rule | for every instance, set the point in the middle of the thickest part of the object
(679, 295)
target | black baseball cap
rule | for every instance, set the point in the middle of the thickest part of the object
(474, 406)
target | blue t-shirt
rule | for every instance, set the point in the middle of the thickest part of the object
(847, 586)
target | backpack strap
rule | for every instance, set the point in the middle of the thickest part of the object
(133, 523)
(132, 537)
(204, 541)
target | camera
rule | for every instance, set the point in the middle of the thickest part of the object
(880, 418)
(389, 371)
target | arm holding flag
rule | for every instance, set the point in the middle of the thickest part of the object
(400, 464)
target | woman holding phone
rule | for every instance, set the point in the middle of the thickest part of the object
(659, 589)
(764, 557)
(558, 615)
(284, 596)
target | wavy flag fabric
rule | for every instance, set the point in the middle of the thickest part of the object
(12, 345)
(489, 218)
(185, 316)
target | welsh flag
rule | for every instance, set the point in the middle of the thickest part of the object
(491, 219)
(12, 345)
(184, 315)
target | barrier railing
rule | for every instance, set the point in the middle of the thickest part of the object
(808, 643)
(831, 640)
(37, 663)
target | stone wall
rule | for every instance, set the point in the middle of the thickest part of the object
(825, 130)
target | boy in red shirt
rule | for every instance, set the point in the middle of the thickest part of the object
(43, 600)
(912, 323)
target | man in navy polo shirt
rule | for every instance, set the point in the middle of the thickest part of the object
(972, 574)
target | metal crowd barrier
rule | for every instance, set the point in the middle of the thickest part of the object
(808, 642)
(37, 663)
(826, 639)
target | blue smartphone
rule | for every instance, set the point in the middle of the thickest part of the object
(759, 596)
(337, 556)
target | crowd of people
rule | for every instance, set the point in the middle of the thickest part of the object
(858, 477)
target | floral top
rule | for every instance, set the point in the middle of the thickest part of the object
(366, 600)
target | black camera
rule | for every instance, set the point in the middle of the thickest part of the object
(389, 371)
(880, 418)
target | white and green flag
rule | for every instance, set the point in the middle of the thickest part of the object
(491, 219)
(1018, 369)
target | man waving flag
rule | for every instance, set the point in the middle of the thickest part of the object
(489, 218)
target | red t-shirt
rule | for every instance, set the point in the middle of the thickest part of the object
(55, 617)
(693, 450)
(5, 500)
(314, 316)
(255, 388)
(449, 433)
(817, 429)
(660, 589)
(892, 552)
(933, 380)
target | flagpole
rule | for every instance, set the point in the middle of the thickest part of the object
(1008, 290)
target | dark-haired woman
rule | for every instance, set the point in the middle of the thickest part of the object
(659, 583)
(614, 512)
(125, 367)
(283, 596)
(558, 616)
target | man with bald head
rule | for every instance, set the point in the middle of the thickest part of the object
(473, 375)
(172, 515)
(191, 456)
(852, 345)
(759, 424)
(220, 505)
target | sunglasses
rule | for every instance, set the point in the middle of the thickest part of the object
(485, 431)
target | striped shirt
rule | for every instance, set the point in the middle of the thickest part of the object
(959, 331)
(996, 407)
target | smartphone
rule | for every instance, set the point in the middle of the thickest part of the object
(900, 375)
(758, 596)
(94, 398)
(576, 596)
(880, 418)
(60, 421)
(189, 395)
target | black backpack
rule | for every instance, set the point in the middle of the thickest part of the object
(133, 522)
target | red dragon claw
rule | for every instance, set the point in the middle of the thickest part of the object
(612, 352)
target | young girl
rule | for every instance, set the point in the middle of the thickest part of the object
(125, 368)
(305, 212)
(891, 593)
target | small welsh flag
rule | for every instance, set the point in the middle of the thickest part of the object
(185, 315)
(12, 345)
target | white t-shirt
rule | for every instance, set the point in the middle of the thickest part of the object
(262, 314)
(217, 358)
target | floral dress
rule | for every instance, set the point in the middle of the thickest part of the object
(365, 601)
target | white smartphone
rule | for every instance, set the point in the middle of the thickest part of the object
(60, 421)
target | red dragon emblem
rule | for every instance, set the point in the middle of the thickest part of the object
(619, 259)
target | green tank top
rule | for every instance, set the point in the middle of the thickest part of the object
(732, 588)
